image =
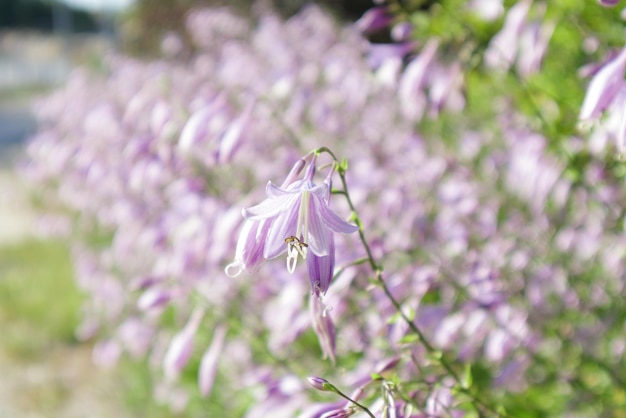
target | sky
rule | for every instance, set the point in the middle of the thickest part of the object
(99, 5)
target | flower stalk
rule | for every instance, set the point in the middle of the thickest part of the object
(378, 275)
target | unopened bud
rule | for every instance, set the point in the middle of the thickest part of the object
(321, 384)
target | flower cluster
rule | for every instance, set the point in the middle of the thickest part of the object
(485, 264)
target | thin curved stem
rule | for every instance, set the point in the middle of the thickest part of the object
(378, 273)
(346, 397)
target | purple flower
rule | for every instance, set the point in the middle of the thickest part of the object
(249, 251)
(323, 327)
(504, 46)
(608, 3)
(299, 220)
(401, 31)
(320, 383)
(321, 268)
(603, 88)
(181, 346)
(374, 19)
(339, 413)
(209, 362)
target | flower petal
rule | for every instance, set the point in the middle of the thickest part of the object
(266, 209)
(318, 231)
(321, 268)
(603, 87)
(273, 191)
(334, 222)
(284, 225)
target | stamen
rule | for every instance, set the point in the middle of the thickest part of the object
(292, 257)
(294, 247)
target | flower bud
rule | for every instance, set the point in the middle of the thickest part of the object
(320, 384)
(181, 347)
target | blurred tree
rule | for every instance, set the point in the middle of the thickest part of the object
(38, 14)
(145, 24)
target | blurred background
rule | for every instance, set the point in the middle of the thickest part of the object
(45, 372)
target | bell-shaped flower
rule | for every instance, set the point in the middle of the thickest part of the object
(301, 220)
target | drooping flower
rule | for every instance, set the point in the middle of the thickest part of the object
(300, 221)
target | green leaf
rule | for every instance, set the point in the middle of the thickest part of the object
(467, 380)
(409, 339)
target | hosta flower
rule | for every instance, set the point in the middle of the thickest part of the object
(300, 222)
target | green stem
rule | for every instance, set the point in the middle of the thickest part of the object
(378, 272)
(346, 397)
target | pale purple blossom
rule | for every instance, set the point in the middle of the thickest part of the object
(323, 326)
(604, 87)
(401, 31)
(320, 383)
(503, 47)
(374, 19)
(181, 346)
(210, 361)
(301, 221)
(488, 10)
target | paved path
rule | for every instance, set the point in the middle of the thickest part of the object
(16, 122)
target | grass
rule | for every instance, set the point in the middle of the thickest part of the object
(39, 302)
